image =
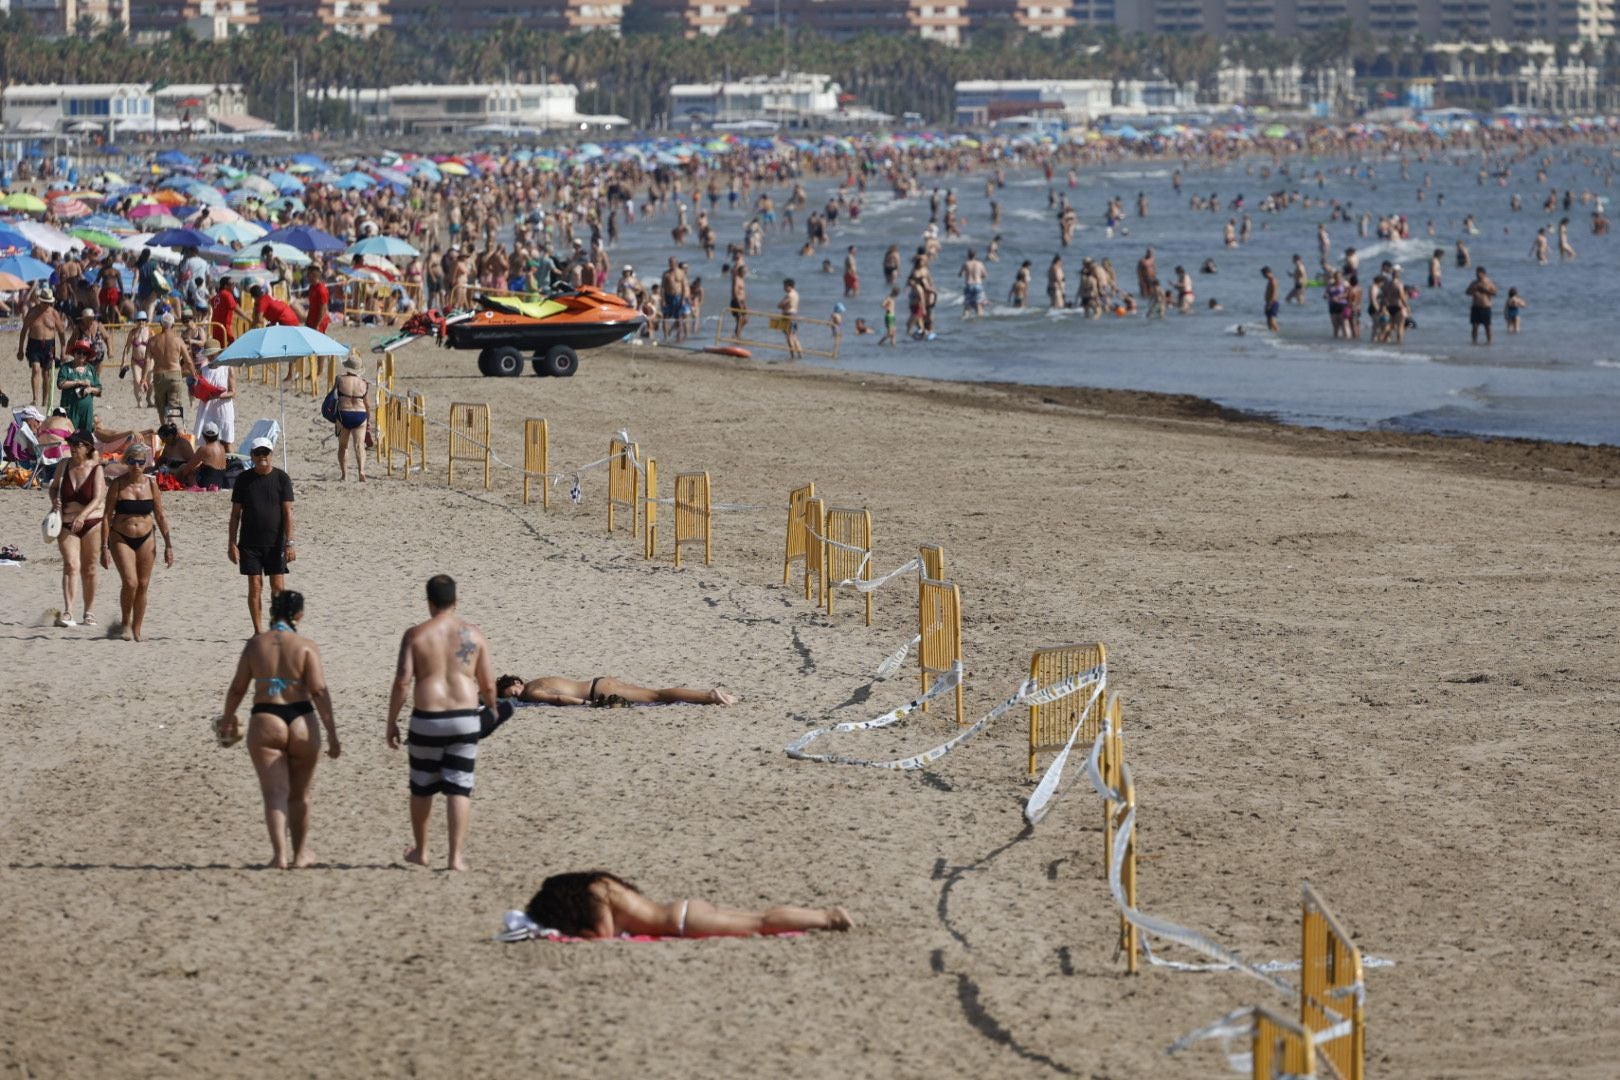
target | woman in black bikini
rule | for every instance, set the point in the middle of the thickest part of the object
(137, 512)
(284, 668)
(354, 413)
(602, 690)
(78, 492)
(596, 904)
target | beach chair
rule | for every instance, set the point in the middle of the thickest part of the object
(22, 448)
(262, 429)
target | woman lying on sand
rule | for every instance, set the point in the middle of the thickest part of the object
(284, 668)
(602, 690)
(599, 905)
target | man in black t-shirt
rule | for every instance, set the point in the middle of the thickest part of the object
(261, 540)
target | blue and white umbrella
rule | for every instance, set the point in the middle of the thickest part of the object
(272, 344)
(389, 247)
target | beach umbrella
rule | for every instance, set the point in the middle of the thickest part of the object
(309, 161)
(272, 345)
(206, 195)
(169, 197)
(45, 236)
(455, 168)
(23, 202)
(306, 238)
(234, 232)
(258, 184)
(300, 169)
(158, 221)
(96, 237)
(287, 254)
(138, 243)
(181, 238)
(289, 204)
(174, 159)
(12, 241)
(11, 282)
(354, 181)
(393, 176)
(285, 183)
(391, 247)
(243, 196)
(107, 223)
(26, 267)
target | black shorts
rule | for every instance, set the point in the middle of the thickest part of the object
(270, 559)
(1479, 316)
(42, 353)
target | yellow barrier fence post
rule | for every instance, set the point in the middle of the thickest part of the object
(798, 541)
(1128, 934)
(649, 540)
(1050, 724)
(815, 551)
(536, 459)
(849, 552)
(379, 425)
(1282, 1047)
(1331, 994)
(939, 632)
(1111, 764)
(415, 430)
(933, 561)
(694, 517)
(469, 440)
(622, 482)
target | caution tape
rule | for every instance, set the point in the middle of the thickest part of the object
(1026, 694)
(892, 662)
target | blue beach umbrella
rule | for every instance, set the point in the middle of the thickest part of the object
(270, 344)
(306, 238)
(354, 181)
(285, 183)
(26, 267)
(174, 159)
(391, 247)
(181, 238)
(15, 242)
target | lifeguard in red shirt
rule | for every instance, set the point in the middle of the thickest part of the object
(268, 311)
(222, 313)
(318, 315)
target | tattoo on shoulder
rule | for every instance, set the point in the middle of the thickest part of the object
(469, 647)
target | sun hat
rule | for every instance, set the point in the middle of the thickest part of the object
(46, 295)
(351, 363)
(88, 313)
(141, 316)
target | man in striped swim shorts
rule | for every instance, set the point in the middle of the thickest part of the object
(444, 664)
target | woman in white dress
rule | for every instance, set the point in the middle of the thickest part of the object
(219, 409)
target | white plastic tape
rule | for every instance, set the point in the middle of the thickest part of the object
(1025, 694)
(892, 662)
(1040, 801)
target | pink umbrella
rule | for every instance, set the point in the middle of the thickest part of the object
(146, 209)
(69, 208)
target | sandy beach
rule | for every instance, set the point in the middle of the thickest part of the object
(1386, 664)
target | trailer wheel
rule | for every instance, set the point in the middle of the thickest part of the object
(505, 362)
(560, 361)
(483, 362)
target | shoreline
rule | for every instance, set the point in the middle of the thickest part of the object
(1592, 465)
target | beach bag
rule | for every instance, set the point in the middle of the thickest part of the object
(329, 406)
(51, 527)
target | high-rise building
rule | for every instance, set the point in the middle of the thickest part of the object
(1043, 18)
(1437, 20)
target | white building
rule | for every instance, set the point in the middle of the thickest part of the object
(793, 100)
(423, 107)
(50, 108)
(983, 101)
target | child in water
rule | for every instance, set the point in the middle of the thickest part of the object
(1515, 304)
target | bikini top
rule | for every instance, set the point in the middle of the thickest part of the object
(78, 493)
(275, 685)
(136, 507)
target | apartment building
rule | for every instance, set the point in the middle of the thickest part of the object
(1042, 18)
(58, 18)
(1438, 20)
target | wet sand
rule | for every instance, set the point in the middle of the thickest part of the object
(1384, 663)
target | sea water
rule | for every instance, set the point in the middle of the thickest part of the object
(1558, 380)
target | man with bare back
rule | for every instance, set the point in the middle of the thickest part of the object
(444, 664)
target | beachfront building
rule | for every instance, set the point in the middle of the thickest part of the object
(982, 102)
(54, 108)
(481, 16)
(58, 18)
(1437, 20)
(1038, 18)
(694, 17)
(207, 20)
(792, 100)
(491, 107)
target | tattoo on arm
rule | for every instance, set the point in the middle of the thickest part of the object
(469, 647)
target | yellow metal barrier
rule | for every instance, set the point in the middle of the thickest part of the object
(1050, 724)
(622, 482)
(798, 540)
(815, 553)
(1111, 764)
(1282, 1048)
(649, 540)
(385, 370)
(379, 424)
(939, 628)
(1128, 933)
(768, 330)
(407, 430)
(469, 440)
(848, 552)
(933, 561)
(1330, 992)
(536, 459)
(694, 517)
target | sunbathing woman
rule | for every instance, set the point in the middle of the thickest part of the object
(283, 741)
(599, 905)
(602, 690)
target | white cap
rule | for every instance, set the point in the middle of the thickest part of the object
(210, 428)
(261, 443)
(31, 413)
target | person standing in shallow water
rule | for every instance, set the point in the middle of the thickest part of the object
(444, 664)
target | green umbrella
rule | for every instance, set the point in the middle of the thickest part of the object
(96, 237)
(24, 202)
(1275, 131)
